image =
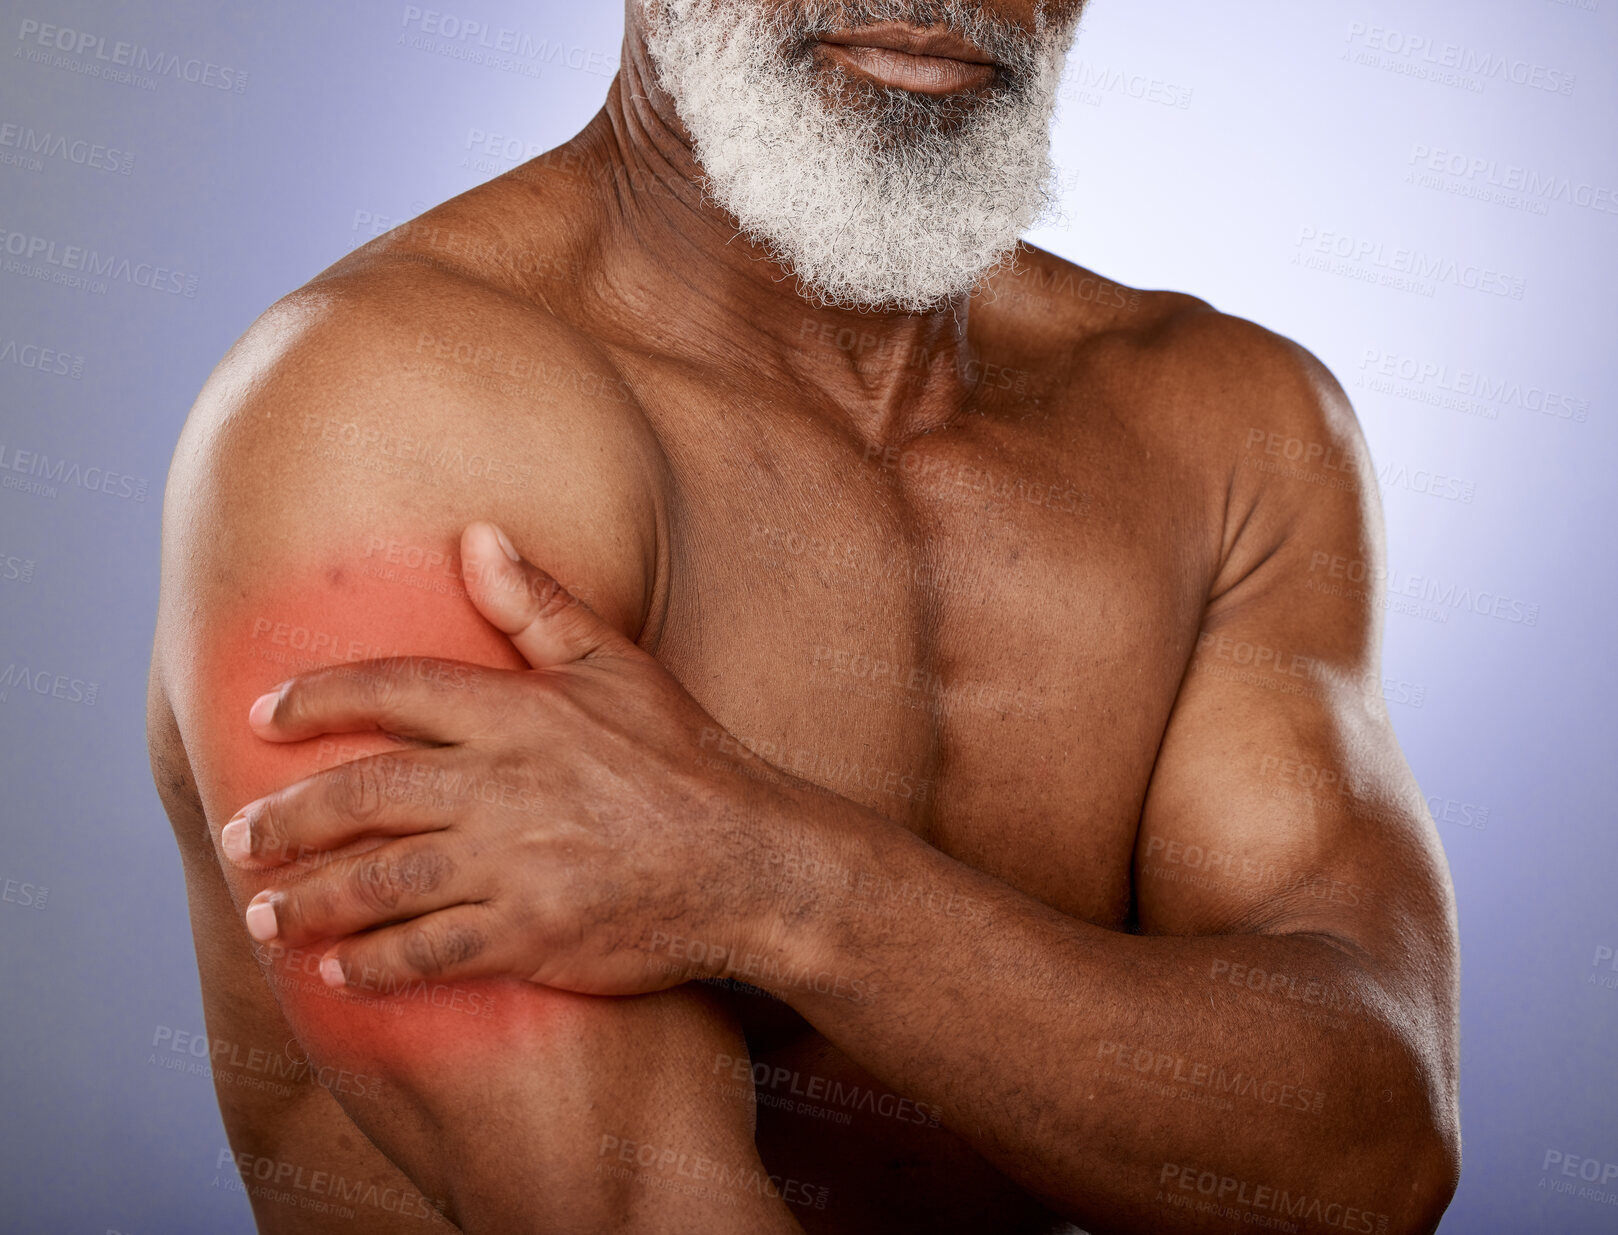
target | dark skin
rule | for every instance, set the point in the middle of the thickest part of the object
(1013, 604)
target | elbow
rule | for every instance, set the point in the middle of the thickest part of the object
(1420, 1162)
(1430, 1180)
(1414, 1133)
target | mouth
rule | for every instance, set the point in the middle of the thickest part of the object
(921, 59)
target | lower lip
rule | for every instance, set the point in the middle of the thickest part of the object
(903, 71)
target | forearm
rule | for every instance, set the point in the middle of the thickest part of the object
(550, 1111)
(306, 1170)
(1104, 1071)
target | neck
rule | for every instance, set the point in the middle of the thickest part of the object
(718, 295)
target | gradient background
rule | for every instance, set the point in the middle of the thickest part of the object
(1265, 156)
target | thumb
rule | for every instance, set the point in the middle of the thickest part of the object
(547, 623)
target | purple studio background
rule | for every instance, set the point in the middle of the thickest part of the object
(1425, 194)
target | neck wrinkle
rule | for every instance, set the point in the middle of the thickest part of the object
(670, 247)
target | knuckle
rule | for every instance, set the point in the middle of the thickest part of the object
(289, 703)
(266, 831)
(547, 597)
(360, 790)
(462, 943)
(425, 871)
(509, 777)
(290, 915)
(384, 883)
(422, 951)
(430, 950)
(378, 688)
(321, 905)
(370, 686)
(378, 885)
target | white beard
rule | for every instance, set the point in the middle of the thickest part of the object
(872, 198)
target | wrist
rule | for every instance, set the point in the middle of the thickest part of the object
(807, 865)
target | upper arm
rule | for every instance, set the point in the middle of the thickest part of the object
(312, 517)
(1280, 802)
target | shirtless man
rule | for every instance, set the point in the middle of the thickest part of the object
(774, 717)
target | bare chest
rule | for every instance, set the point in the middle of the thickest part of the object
(979, 636)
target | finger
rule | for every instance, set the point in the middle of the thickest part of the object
(547, 623)
(451, 945)
(417, 697)
(380, 795)
(392, 884)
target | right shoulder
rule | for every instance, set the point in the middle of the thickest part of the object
(396, 396)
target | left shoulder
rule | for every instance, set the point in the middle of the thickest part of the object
(1253, 380)
(1277, 437)
(1202, 369)
(1269, 439)
(1260, 420)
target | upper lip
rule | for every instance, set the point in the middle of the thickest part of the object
(916, 40)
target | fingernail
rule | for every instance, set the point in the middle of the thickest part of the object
(505, 542)
(236, 839)
(331, 972)
(261, 920)
(263, 708)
